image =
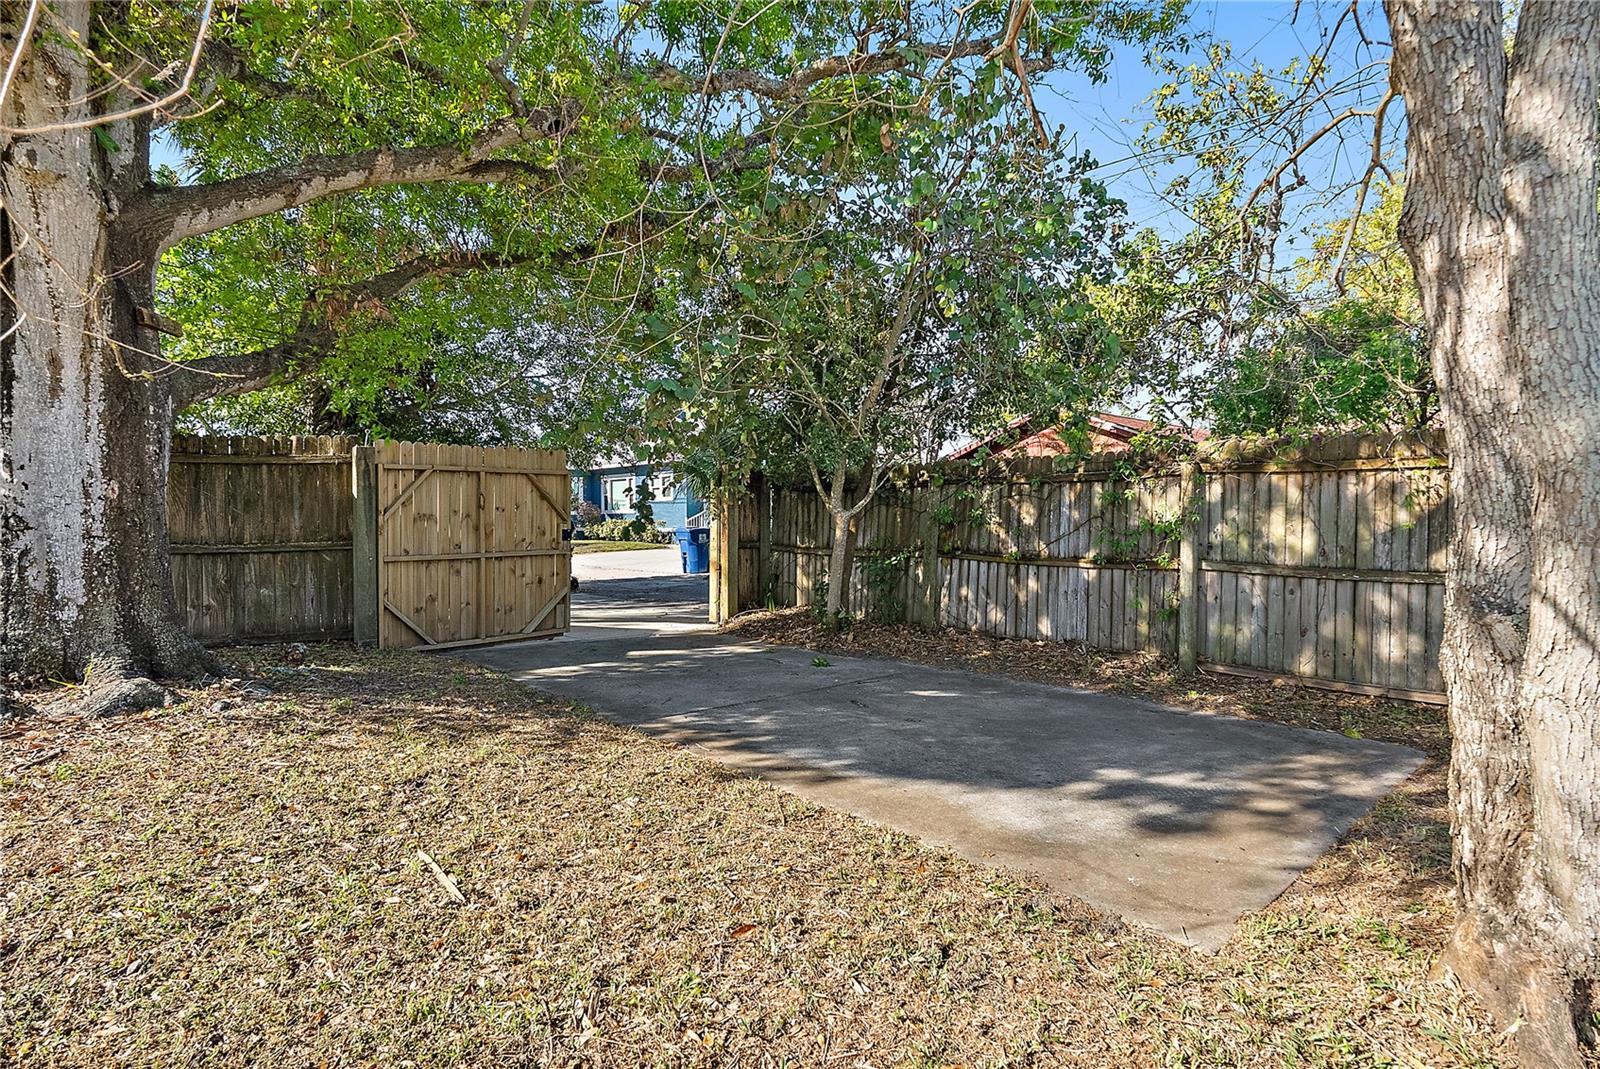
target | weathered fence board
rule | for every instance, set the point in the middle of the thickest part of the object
(1323, 563)
(260, 537)
(401, 544)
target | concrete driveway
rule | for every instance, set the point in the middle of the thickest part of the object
(1177, 820)
(638, 576)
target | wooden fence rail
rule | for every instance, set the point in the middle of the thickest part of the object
(1324, 563)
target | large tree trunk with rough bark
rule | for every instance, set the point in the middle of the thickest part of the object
(85, 415)
(1500, 222)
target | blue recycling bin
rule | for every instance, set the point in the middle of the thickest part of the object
(694, 545)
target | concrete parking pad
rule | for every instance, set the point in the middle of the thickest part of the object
(1177, 820)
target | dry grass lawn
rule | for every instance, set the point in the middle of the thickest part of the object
(582, 546)
(236, 880)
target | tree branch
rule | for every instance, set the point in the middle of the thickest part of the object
(167, 216)
(235, 373)
(1306, 144)
(1009, 48)
(224, 60)
(225, 375)
(229, 374)
(1374, 165)
(794, 87)
(735, 158)
(170, 215)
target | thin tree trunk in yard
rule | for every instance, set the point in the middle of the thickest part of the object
(1500, 223)
(840, 561)
(839, 551)
(844, 515)
(84, 429)
(838, 568)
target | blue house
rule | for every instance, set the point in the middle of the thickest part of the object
(611, 487)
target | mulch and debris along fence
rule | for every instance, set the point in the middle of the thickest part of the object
(1323, 563)
(397, 543)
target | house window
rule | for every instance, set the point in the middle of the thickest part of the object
(664, 485)
(615, 495)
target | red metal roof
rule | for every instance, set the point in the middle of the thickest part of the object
(1108, 433)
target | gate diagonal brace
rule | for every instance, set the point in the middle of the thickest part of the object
(542, 492)
(403, 618)
(545, 610)
(405, 495)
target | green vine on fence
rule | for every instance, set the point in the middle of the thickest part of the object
(883, 576)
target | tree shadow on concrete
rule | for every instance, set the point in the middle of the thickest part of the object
(1166, 771)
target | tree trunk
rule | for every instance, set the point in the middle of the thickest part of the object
(85, 419)
(843, 512)
(1500, 223)
(839, 562)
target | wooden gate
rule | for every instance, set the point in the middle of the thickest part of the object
(469, 544)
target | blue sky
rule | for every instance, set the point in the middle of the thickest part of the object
(1107, 118)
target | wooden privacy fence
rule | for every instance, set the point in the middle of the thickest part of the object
(1324, 563)
(260, 537)
(399, 544)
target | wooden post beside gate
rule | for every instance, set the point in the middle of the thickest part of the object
(724, 555)
(365, 610)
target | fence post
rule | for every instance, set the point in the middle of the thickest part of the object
(724, 556)
(364, 545)
(1191, 496)
(763, 496)
(714, 556)
(927, 571)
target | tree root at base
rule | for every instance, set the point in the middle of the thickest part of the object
(1522, 985)
(114, 693)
